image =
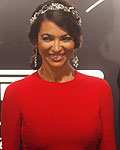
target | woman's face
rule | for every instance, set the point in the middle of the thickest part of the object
(54, 44)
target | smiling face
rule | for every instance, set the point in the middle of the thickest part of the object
(55, 45)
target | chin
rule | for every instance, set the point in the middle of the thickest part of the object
(59, 64)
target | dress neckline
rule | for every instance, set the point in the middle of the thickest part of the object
(57, 83)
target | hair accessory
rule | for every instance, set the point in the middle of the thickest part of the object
(55, 6)
(75, 60)
(35, 58)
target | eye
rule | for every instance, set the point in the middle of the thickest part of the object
(47, 39)
(66, 39)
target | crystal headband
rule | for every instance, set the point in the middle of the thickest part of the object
(55, 6)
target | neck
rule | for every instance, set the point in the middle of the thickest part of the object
(63, 74)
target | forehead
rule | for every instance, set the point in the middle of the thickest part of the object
(51, 28)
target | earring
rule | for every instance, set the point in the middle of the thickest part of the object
(35, 58)
(75, 59)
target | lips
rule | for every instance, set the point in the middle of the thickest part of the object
(56, 57)
(57, 54)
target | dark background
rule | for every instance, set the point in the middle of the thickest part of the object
(101, 33)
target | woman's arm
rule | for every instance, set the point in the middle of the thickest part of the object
(10, 120)
(107, 117)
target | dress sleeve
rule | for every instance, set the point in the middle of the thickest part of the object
(107, 117)
(10, 120)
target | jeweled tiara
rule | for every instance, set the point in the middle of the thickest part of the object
(55, 6)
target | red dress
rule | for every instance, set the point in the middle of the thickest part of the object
(74, 115)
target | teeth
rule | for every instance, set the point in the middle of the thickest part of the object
(56, 56)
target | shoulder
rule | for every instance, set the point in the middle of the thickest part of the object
(92, 83)
(91, 79)
(98, 87)
(22, 83)
(18, 88)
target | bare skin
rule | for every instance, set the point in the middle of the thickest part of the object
(53, 40)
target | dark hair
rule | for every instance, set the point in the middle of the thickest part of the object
(66, 21)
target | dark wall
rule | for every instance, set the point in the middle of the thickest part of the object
(100, 32)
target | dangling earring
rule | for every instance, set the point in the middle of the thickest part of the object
(35, 58)
(75, 59)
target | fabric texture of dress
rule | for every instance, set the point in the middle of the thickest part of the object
(74, 115)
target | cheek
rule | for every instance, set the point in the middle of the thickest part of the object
(43, 45)
(70, 46)
(43, 48)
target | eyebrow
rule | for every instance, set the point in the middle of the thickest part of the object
(51, 35)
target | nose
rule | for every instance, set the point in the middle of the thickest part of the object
(57, 45)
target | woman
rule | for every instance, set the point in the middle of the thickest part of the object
(57, 108)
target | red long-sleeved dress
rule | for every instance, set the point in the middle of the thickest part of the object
(74, 115)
